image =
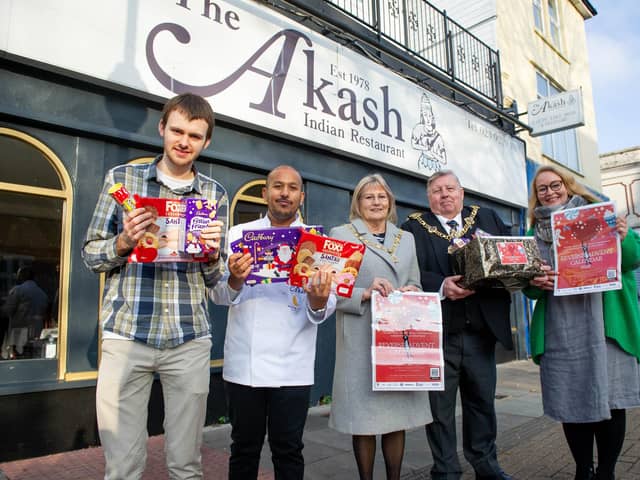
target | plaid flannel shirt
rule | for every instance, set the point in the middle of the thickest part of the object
(160, 304)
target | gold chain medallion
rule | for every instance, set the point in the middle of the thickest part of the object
(468, 223)
(391, 251)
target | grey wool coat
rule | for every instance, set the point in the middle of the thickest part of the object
(356, 409)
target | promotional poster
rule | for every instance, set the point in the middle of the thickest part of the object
(406, 348)
(586, 249)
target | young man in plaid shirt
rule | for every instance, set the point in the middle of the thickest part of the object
(155, 315)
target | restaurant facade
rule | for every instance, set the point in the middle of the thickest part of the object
(83, 84)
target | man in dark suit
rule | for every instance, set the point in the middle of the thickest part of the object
(473, 321)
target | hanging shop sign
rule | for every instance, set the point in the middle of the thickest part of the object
(558, 112)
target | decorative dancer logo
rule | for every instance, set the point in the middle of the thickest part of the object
(426, 139)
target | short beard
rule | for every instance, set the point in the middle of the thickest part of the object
(282, 217)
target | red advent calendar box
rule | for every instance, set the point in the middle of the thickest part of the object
(314, 251)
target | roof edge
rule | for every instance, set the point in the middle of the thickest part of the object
(585, 8)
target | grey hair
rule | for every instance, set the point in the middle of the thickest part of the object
(442, 173)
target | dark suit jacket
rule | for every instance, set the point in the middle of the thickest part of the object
(488, 306)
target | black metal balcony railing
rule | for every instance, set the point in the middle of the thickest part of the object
(430, 35)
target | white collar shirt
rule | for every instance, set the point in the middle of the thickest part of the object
(443, 221)
(271, 334)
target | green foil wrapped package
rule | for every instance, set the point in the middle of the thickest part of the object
(504, 262)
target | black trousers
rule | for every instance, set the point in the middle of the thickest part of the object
(470, 366)
(282, 412)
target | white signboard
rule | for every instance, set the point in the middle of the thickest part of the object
(266, 71)
(555, 113)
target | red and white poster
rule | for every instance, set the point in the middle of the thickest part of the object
(406, 350)
(586, 249)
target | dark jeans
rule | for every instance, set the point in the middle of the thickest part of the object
(282, 412)
(471, 367)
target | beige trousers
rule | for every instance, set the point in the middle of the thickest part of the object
(125, 377)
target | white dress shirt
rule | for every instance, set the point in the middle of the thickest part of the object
(271, 333)
(447, 228)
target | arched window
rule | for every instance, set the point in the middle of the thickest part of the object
(35, 217)
(248, 203)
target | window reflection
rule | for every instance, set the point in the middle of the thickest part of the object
(22, 164)
(29, 275)
(248, 204)
(255, 190)
(248, 211)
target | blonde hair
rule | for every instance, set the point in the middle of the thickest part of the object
(372, 179)
(571, 184)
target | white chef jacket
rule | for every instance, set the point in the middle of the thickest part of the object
(271, 334)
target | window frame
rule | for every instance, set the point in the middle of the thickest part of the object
(554, 23)
(241, 196)
(538, 15)
(65, 194)
(547, 22)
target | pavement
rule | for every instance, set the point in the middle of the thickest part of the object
(530, 445)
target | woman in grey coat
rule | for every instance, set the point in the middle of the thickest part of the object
(389, 264)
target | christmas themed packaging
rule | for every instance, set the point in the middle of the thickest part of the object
(198, 212)
(121, 195)
(273, 251)
(314, 251)
(174, 235)
(489, 261)
(162, 240)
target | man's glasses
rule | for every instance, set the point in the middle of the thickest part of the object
(554, 186)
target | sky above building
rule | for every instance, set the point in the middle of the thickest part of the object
(613, 38)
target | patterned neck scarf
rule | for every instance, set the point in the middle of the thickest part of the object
(543, 217)
(542, 227)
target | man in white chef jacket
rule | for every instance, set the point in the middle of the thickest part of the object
(270, 345)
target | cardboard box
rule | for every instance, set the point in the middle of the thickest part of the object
(198, 213)
(314, 251)
(273, 251)
(162, 240)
